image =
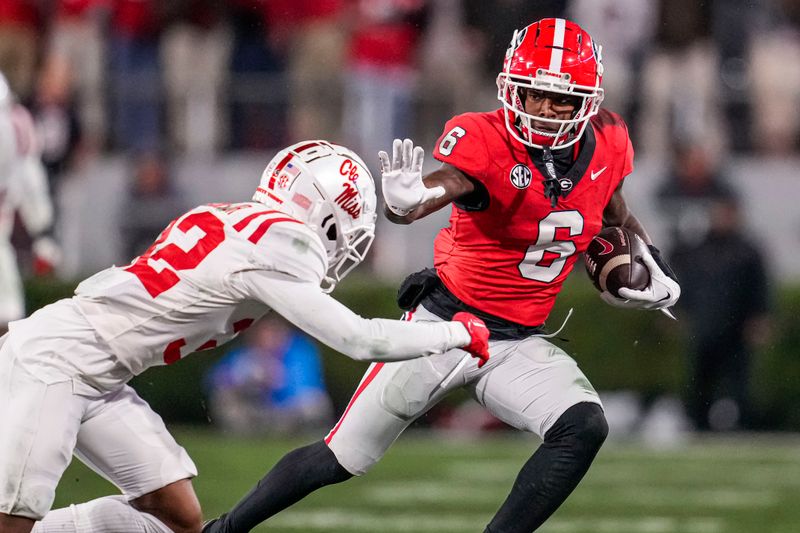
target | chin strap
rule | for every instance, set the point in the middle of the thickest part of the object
(552, 188)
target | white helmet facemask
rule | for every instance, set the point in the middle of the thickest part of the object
(330, 189)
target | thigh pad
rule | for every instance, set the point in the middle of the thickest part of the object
(415, 384)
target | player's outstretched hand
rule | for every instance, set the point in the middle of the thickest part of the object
(403, 189)
(478, 332)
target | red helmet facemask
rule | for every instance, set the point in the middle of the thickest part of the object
(553, 56)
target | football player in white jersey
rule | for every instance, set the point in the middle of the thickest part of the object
(209, 275)
(23, 190)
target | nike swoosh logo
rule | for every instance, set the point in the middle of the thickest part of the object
(596, 175)
(607, 246)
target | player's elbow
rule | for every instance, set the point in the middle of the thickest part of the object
(367, 349)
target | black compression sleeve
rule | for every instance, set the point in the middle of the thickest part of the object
(295, 476)
(552, 473)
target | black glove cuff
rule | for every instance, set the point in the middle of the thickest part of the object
(665, 268)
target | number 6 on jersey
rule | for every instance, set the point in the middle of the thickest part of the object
(449, 141)
(545, 260)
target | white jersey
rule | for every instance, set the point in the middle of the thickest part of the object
(184, 294)
(209, 275)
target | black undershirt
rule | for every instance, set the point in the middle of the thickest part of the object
(563, 159)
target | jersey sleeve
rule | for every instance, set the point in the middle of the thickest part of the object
(305, 305)
(627, 166)
(290, 248)
(463, 145)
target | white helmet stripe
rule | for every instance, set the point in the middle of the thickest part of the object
(558, 46)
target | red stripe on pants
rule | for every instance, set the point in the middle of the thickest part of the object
(367, 381)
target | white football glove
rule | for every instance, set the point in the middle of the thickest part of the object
(403, 189)
(661, 293)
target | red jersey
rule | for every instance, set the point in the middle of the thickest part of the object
(511, 258)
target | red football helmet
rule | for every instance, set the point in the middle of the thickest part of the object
(555, 56)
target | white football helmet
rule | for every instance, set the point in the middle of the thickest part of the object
(330, 189)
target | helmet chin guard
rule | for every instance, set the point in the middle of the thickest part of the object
(330, 189)
(553, 56)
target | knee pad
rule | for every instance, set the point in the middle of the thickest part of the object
(583, 425)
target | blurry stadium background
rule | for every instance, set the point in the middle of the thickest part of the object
(147, 107)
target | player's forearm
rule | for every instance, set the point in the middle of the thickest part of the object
(617, 213)
(359, 338)
(632, 223)
(380, 339)
(455, 184)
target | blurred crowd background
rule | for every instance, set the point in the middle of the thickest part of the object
(144, 108)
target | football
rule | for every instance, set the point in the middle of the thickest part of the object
(614, 260)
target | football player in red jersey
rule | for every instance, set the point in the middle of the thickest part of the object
(530, 184)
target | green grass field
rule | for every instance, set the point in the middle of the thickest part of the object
(435, 484)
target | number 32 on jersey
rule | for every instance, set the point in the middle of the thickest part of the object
(199, 234)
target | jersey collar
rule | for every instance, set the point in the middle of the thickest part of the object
(578, 168)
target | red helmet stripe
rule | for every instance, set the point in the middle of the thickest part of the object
(557, 50)
(307, 146)
(278, 169)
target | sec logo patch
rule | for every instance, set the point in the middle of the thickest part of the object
(521, 176)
